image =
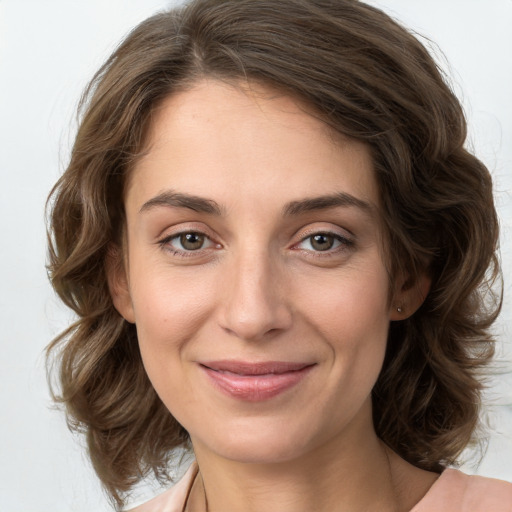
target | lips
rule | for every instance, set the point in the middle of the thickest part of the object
(255, 381)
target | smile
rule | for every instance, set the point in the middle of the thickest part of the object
(255, 382)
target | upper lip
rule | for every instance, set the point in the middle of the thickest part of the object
(256, 368)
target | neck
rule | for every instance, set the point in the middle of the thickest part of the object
(343, 474)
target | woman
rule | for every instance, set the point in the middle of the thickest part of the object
(281, 256)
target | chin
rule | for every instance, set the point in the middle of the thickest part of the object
(256, 443)
(260, 451)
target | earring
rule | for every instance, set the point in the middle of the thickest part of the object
(399, 309)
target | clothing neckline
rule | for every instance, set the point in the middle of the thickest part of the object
(192, 472)
(452, 491)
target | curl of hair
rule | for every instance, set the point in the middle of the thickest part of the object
(367, 78)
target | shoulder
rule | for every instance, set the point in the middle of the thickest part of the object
(455, 491)
(174, 498)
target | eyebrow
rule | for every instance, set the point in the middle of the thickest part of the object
(325, 202)
(173, 199)
(178, 200)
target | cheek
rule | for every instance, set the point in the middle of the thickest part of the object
(169, 311)
(166, 301)
(350, 312)
(352, 302)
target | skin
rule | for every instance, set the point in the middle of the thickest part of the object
(260, 289)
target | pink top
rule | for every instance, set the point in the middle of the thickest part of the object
(453, 491)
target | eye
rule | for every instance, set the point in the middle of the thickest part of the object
(187, 241)
(322, 242)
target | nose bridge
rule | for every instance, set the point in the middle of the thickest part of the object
(254, 305)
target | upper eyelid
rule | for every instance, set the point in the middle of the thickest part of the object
(179, 229)
(337, 231)
(300, 235)
(325, 232)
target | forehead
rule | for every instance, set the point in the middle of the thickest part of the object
(247, 138)
(211, 100)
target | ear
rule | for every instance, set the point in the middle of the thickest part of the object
(409, 298)
(118, 284)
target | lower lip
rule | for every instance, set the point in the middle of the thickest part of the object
(255, 388)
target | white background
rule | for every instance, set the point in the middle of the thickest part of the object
(48, 51)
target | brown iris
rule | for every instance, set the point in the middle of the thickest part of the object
(191, 241)
(322, 242)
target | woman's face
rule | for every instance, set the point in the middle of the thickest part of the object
(255, 273)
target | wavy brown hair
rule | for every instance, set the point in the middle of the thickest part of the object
(366, 77)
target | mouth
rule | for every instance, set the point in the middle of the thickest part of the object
(255, 381)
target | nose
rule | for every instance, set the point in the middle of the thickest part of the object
(254, 305)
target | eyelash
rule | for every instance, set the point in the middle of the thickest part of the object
(165, 244)
(345, 244)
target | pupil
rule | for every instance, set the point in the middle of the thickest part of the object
(322, 242)
(191, 241)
